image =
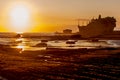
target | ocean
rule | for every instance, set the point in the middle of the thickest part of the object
(32, 43)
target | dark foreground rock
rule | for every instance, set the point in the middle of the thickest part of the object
(98, 64)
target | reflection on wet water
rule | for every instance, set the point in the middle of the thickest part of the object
(31, 43)
(20, 47)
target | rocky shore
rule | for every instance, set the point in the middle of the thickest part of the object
(70, 65)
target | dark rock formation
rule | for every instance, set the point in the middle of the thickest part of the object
(98, 27)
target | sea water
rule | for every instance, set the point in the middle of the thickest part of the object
(29, 43)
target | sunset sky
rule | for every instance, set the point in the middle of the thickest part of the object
(52, 15)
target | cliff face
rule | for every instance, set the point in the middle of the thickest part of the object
(98, 27)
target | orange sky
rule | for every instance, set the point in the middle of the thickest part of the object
(52, 15)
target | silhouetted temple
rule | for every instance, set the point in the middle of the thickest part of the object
(98, 27)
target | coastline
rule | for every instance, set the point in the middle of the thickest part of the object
(61, 36)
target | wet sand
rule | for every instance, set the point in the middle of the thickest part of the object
(56, 65)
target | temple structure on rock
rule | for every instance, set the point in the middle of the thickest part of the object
(97, 27)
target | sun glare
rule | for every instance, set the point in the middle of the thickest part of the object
(20, 16)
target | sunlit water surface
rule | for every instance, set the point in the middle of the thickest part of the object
(30, 43)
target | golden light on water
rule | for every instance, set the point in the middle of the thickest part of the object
(20, 47)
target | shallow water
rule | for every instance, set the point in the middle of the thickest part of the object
(27, 43)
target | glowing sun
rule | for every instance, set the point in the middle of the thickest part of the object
(20, 16)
